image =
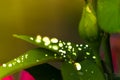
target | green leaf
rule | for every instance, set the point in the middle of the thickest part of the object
(65, 50)
(69, 72)
(109, 15)
(85, 70)
(30, 58)
(45, 72)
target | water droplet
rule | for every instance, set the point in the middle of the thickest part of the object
(79, 49)
(37, 60)
(66, 46)
(26, 56)
(78, 66)
(86, 45)
(54, 40)
(55, 55)
(69, 47)
(61, 54)
(60, 44)
(18, 60)
(74, 53)
(85, 57)
(64, 56)
(87, 53)
(92, 72)
(94, 57)
(31, 38)
(50, 46)
(61, 51)
(10, 65)
(77, 45)
(22, 59)
(14, 63)
(4, 65)
(70, 62)
(81, 45)
(55, 47)
(46, 55)
(38, 39)
(68, 43)
(86, 70)
(64, 43)
(73, 49)
(46, 41)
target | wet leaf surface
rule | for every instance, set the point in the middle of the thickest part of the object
(30, 58)
(85, 70)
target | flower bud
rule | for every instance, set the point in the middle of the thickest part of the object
(88, 28)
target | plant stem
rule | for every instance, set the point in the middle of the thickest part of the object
(96, 46)
(107, 51)
(107, 54)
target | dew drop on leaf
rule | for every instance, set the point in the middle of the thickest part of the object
(87, 53)
(60, 44)
(78, 66)
(94, 57)
(4, 65)
(92, 72)
(26, 56)
(79, 49)
(10, 65)
(38, 39)
(54, 40)
(86, 45)
(46, 55)
(31, 38)
(74, 54)
(37, 60)
(81, 45)
(68, 43)
(46, 41)
(86, 70)
(55, 47)
(18, 60)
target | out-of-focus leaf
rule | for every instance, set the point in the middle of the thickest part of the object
(116, 76)
(45, 72)
(30, 58)
(65, 50)
(85, 70)
(108, 12)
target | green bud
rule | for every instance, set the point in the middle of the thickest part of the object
(88, 28)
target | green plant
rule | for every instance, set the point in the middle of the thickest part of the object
(99, 20)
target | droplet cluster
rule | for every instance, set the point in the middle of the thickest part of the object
(19, 60)
(66, 50)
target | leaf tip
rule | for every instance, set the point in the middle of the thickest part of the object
(15, 35)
